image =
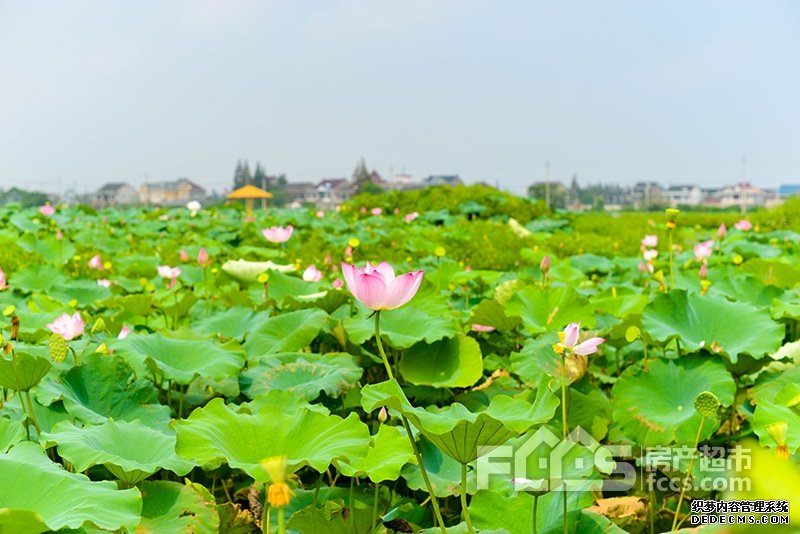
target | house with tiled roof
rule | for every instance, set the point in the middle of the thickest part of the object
(171, 193)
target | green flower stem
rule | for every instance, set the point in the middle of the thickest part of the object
(535, 511)
(688, 474)
(375, 507)
(265, 511)
(33, 414)
(281, 525)
(671, 271)
(464, 508)
(75, 355)
(417, 454)
(564, 424)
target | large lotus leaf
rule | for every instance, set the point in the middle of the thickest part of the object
(84, 292)
(288, 401)
(729, 328)
(333, 517)
(248, 271)
(283, 287)
(462, 434)
(11, 432)
(536, 359)
(734, 286)
(621, 305)
(181, 360)
(303, 373)
(491, 313)
(218, 433)
(27, 521)
(451, 362)
(490, 509)
(132, 451)
(38, 278)
(33, 483)
(233, 323)
(774, 272)
(388, 452)
(104, 387)
(402, 327)
(769, 413)
(21, 371)
(286, 332)
(444, 472)
(543, 309)
(656, 407)
(172, 508)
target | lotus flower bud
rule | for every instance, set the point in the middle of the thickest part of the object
(383, 415)
(545, 264)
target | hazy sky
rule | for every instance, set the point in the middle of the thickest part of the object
(617, 91)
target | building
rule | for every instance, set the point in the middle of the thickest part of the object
(331, 192)
(743, 195)
(684, 195)
(173, 193)
(645, 195)
(442, 179)
(114, 194)
(299, 193)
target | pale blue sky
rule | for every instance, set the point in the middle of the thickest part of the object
(618, 91)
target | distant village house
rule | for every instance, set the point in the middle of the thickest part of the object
(171, 193)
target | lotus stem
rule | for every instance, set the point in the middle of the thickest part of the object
(265, 511)
(375, 507)
(380, 345)
(688, 474)
(33, 414)
(565, 425)
(464, 508)
(281, 525)
(535, 511)
(671, 270)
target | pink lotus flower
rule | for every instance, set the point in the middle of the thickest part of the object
(203, 259)
(67, 326)
(59, 235)
(650, 254)
(396, 211)
(320, 214)
(743, 225)
(123, 333)
(312, 274)
(337, 284)
(568, 340)
(377, 287)
(184, 256)
(3, 283)
(96, 263)
(544, 265)
(278, 234)
(102, 282)
(47, 210)
(650, 241)
(721, 231)
(646, 267)
(170, 273)
(704, 271)
(411, 216)
(482, 328)
(376, 211)
(363, 209)
(703, 250)
(328, 260)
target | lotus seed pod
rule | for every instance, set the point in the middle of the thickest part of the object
(706, 404)
(58, 348)
(99, 326)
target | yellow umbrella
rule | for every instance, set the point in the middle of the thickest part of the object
(249, 193)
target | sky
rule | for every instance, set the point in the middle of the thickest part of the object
(614, 91)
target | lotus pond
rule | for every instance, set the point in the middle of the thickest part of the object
(481, 369)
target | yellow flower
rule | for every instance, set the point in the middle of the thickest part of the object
(278, 492)
(778, 432)
(439, 252)
(353, 242)
(263, 278)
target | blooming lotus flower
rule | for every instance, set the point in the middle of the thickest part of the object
(96, 263)
(312, 274)
(482, 328)
(47, 210)
(170, 273)
(278, 234)
(721, 231)
(102, 282)
(703, 250)
(202, 258)
(376, 211)
(743, 225)
(411, 216)
(377, 287)
(650, 255)
(123, 333)
(3, 283)
(650, 241)
(184, 255)
(568, 340)
(67, 326)
(194, 206)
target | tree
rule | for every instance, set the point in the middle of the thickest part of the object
(241, 176)
(260, 177)
(361, 177)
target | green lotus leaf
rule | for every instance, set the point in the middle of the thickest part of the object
(491, 509)
(773, 272)
(388, 452)
(22, 371)
(536, 359)
(218, 433)
(462, 434)
(85, 292)
(444, 472)
(248, 271)
(38, 278)
(132, 451)
(105, 387)
(172, 508)
(11, 433)
(181, 360)
(287, 332)
(543, 309)
(773, 413)
(728, 328)
(27, 521)
(743, 288)
(451, 362)
(491, 313)
(333, 517)
(233, 323)
(656, 407)
(302, 373)
(402, 327)
(31, 482)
